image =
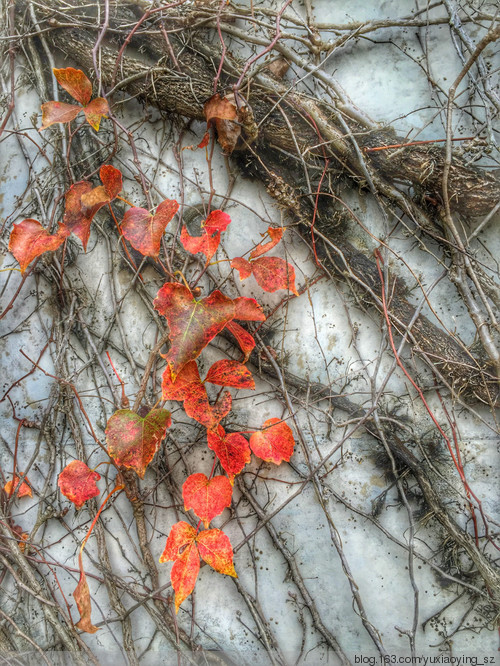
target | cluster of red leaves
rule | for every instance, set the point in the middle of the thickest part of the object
(192, 325)
(133, 440)
(79, 87)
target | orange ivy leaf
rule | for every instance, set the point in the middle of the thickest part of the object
(78, 483)
(275, 235)
(207, 497)
(215, 548)
(244, 339)
(208, 242)
(274, 443)
(75, 83)
(77, 219)
(29, 240)
(192, 323)
(82, 201)
(271, 273)
(58, 112)
(24, 489)
(132, 440)
(112, 183)
(230, 373)
(232, 450)
(186, 381)
(181, 534)
(144, 231)
(82, 597)
(188, 387)
(184, 573)
(95, 111)
(182, 548)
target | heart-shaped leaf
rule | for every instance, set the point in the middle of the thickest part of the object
(29, 240)
(207, 497)
(144, 231)
(78, 483)
(274, 442)
(132, 440)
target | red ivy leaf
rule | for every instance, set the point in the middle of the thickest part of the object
(244, 339)
(82, 597)
(112, 180)
(215, 548)
(197, 406)
(181, 548)
(144, 231)
(186, 381)
(275, 235)
(230, 373)
(94, 112)
(207, 498)
(192, 323)
(184, 573)
(78, 483)
(247, 309)
(58, 112)
(132, 440)
(232, 450)
(274, 443)
(112, 183)
(29, 240)
(75, 82)
(188, 387)
(273, 273)
(181, 534)
(208, 242)
(243, 267)
(24, 489)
